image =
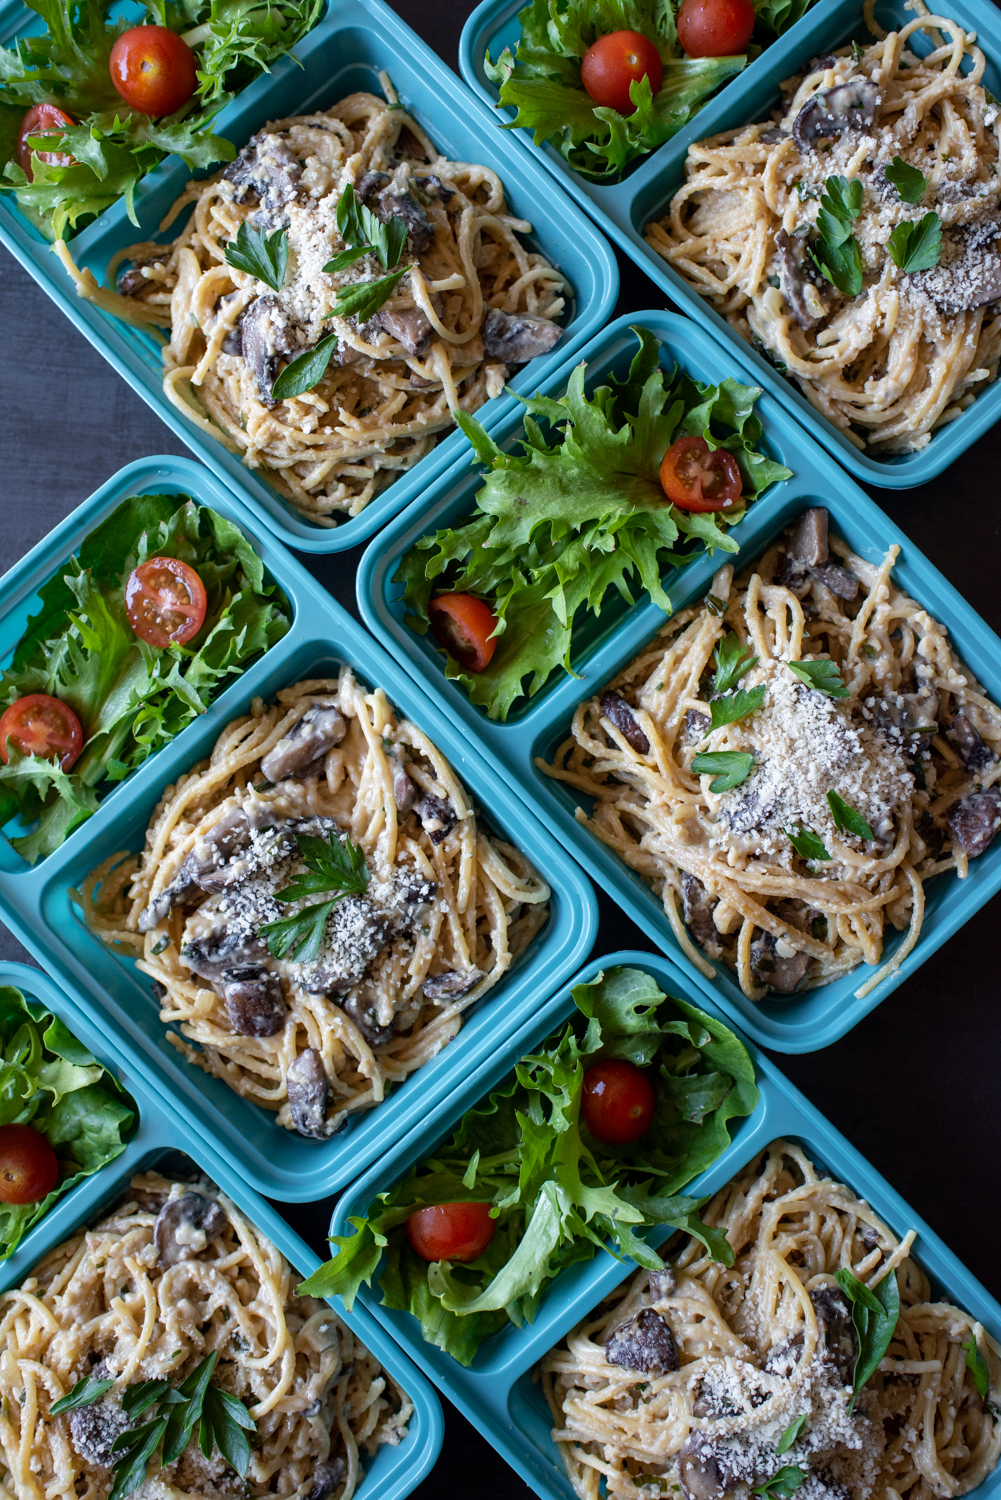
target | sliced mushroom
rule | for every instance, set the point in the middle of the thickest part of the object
(617, 711)
(132, 280)
(974, 822)
(698, 907)
(784, 1356)
(363, 1014)
(808, 541)
(967, 743)
(645, 1343)
(837, 580)
(703, 1470)
(310, 737)
(433, 187)
(265, 337)
(516, 338)
(437, 816)
(265, 171)
(93, 1430)
(773, 967)
(448, 986)
(409, 326)
(184, 1227)
(220, 949)
(838, 1337)
(663, 1284)
(849, 106)
(798, 290)
(749, 809)
(404, 791)
(696, 724)
(908, 720)
(386, 196)
(254, 1001)
(308, 1090)
(327, 1477)
(968, 274)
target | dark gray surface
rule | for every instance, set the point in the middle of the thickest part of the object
(914, 1087)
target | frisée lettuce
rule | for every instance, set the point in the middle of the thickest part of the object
(131, 698)
(558, 1194)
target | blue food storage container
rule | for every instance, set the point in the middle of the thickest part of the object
(345, 52)
(160, 1140)
(497, 1391)
(624, 209)
(801, 1023)
(118, 1001)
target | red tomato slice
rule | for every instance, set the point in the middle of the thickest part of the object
(612, 62)
(464, 625)
(451, 1231)
(153, 69)
(43, 726)
(715, 28)
(618, 1101)
(696, 477)
(28, 1167)
(165, 601)
(43, 119)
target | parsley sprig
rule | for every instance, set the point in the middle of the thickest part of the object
(822, 675)
(364, 298)
(262, 255)
(733, 659)
(838, 256)
(84, 1393)
(783, 1484)
(874, 1313)
(917, 247)
(362, 232)
(330, 866)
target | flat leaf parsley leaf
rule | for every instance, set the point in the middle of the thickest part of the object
(908, 181)
(733, 659)
(262, 255)
(733, 707)
(364, 298)
(875, 1311)
(791, 1434)
(917, 247)
(838, 256)
(783, 1484)
(305, 371)
(821, 675)
(806, 843)
(729, 767)
(84, 1393)
(847, 820)
(362, 231)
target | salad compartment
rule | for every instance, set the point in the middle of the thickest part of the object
(802, 1023)
(498, 1392)
(161, 1141)
(624, 210)
(345, 52)
(119, 1001)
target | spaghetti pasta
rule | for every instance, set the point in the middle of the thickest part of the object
(865, 768)
(135, 1299)
(473, 301)
(441, 912)
(894, 356)
(760, 1385)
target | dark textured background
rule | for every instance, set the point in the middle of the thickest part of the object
(914, 1087)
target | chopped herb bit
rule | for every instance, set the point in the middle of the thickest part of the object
(714, 605)
(783, 1484)
(978, 1367)
(791, 1434)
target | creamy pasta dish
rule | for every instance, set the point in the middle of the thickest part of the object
(473, 301)
(707, 1380)
(317, 904)
(787, 762)
(854, 236)
(173, 1281)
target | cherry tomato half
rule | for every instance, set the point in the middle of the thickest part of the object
(464, 625)
(715, 28)
(153, 69)
(618, 1102)
(451, 1231)
(696, 477)
(165, 601)
(40, 725)
(612, 62)
(43, 119)
(28, 1166)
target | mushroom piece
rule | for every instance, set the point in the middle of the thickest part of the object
(974, 822)
(363, 1014)
(808, 542)
(265, 170)
(448, 986)
(516, 338)
(94, 1428)
(645, 1343)
(404, 791)
(254, 1001)
(132, 280)
(437, 816)
(264, 338)
(663, 1284)
(205, 868)
(696, 724)
(220, 949)
(908, 720)
(800, 293)
(617, 711)
(968, 273)
(308, 1091)
(326, 1478)
(698, 907)
(838, 1338)
(838, 580)
(703, 1470)
(310, 737)
(409, 326)
(386, 196)
(784, 1356)
(184, 1227)
(846, 106)
(779, 971)
(967, 743)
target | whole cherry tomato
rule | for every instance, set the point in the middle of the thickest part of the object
(28, 1167)
(43, 119)
(715, 28)
(612, 62)
(696, 477)
(40, 725)
(618, 1102)
(165, 601)
(451, 1231)
(464, 625)
(153, 69)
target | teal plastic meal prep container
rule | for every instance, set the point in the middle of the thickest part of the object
(118, 1000)
(497, 1391)
(603, 647)
(344, 53)
(625, 208)
(160, 1141)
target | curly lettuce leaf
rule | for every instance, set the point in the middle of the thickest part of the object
(581, 512)
(558, 1194)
